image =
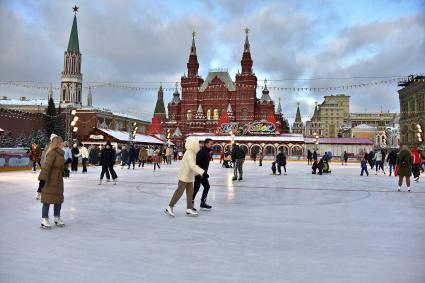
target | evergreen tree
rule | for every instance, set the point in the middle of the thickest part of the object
(32, 137)
(60, 125)
(6, 139)
(41, 138)
(21, 140)
(51, 117)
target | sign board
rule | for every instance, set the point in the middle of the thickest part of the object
(96, 137)
(13, 160)
(251, 128)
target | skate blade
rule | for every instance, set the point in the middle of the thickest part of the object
(205, 209)
(45, 227)
(60, 225)
(191, 215)
(169, 214)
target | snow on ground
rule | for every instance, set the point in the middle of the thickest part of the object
(295, 228)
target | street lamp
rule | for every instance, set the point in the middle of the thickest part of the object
(419, 132)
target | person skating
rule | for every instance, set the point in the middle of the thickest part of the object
(203, 161)
(75, 153)
(238, 158)
(314, 155)
(168, 155)
(188, 171)
(320, 166)
(107, 161)
(363, 165)
(43, 159)
(309, 157)
(379, 163)
(416, 167)
(281, 161)
(94, 156)
(35, 155)
(392, 161)
(132, 156)
(84, 157)
(370, 159)
(345, 158)
(404, 162)
(124, 156)
(260, 158)
(68, 158)
(156, 158)
(143, 156)
(314, 167)
(51, 177)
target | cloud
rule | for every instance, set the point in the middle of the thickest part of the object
(150, 41)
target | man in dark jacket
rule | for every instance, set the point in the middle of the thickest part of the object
(203, 160)
(107, 161)
(314, 155)
(132, 156)
(238, 158)
(281, 161)
(392, 160)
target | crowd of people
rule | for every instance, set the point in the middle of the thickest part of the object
(54, 161)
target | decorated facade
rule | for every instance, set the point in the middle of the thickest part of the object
(218, 105)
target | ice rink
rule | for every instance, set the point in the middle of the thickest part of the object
(296, 228)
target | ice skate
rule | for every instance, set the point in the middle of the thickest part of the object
(240, 179)
(115, 181)
(408, 189)
(100, 182)
(191, 212)
(169, 211)
(205, 206)
(285, 173)
(417, 179)
(399, 189)
(59, 221)
(107, 180)
(45, 224)
(38, 196)
(234, 179)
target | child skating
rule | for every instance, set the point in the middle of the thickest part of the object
(187, 173)
(363, 164)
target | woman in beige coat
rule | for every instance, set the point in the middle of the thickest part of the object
(51, 180)
(187, 173)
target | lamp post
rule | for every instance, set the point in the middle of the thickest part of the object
(74, 122)
(132, 131)
(419, 133)
(316, 141)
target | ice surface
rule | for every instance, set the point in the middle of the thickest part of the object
(295, 228)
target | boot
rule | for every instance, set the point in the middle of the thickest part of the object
(205, 206)
(191, 212)
(169, 211)
(100, 182)
(115, 181)
(45, 224)
(234, 178)
(408, 189)
(59, 221)
(38, 196)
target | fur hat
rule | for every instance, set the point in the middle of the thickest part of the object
(52, 136)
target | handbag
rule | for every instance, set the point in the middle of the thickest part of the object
(396, 170)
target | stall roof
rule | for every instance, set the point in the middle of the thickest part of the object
(281, 138)
(124, 137)
(340, 140)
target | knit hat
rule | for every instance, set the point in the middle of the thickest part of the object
(52, 136)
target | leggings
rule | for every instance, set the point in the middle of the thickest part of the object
(34, 164)
(400, 180)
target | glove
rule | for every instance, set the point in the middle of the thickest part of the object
(41, 183)
(205, 175)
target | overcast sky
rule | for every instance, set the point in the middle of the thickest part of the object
(149, 41)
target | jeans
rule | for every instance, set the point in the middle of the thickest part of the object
(238, 167)
(56, 209)
(84, 162)
(364, 169)
(142, 162)
(156, 164)
(131, 162)
(392, 167)
(198, 181)
(379, 165)
(74, 164)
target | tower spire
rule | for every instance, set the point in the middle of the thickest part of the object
(279, 107)
(193, 47)
(73, 45)
(159, 107)
(298, 115)
(246, 61)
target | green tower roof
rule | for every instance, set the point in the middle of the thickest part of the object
(298, 115)
(73, 38)
(159, 107)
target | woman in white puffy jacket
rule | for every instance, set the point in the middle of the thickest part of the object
(187, 173)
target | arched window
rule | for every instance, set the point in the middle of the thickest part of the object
(244, 113)
(209, 114)
(215, 114)
(189, 115)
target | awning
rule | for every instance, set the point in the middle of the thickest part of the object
(122, 136)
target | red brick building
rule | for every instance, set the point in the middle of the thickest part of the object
(206, 105)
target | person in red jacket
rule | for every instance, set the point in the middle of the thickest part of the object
(416, 168)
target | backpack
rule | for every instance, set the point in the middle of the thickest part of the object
(403, 162)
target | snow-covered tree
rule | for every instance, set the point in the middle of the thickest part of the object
(21, 140)
(6, 140)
